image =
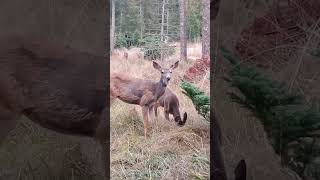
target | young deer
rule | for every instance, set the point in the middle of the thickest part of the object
(141, 92)
(59, 88)
(170, 102)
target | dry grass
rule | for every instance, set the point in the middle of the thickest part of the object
(170, 152)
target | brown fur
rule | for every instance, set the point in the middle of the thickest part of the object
(59, 88)
(170, 102)
(139, 91)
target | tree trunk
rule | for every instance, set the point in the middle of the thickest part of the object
(183, 29)
(141, 18)
(113, 25)
(167, 33)
(162, 28)
(205, 29)
(162, 20)
(121, 19)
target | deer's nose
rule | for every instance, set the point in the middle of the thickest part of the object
(168, 78)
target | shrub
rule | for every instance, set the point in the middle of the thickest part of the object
(199, 99)
(121, 40)
(152, 46)
(127, 40)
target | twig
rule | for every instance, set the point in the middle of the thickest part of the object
(301, 57)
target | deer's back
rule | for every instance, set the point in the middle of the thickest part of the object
(129, 89)
(64, 88)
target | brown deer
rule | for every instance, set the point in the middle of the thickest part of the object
(170, 102)
(141, 92)
(57, 87)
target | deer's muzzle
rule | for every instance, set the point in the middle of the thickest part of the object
(183, 121)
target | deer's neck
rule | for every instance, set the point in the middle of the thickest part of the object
(176, 113)
(160, 88)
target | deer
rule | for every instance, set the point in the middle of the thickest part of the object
(141, 92)
(170, 102)
(57, 87)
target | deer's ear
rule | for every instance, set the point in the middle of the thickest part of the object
(156, 65)
(175, 65)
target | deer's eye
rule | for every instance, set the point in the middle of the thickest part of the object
(170, 71)
(162, 71)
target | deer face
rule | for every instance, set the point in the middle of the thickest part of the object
(165, 72)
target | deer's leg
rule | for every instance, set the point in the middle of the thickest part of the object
(145, 119)
(166, 115)
(151, 115)
(146, 102)
(166, 112)
(156, 109)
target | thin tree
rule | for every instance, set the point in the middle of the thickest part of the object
(183, 29)
(162, 20)
(205, 29)
(162, 27)
(113, 25)
(141, 15)
(167, 34)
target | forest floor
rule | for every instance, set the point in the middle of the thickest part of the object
(170, 152)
